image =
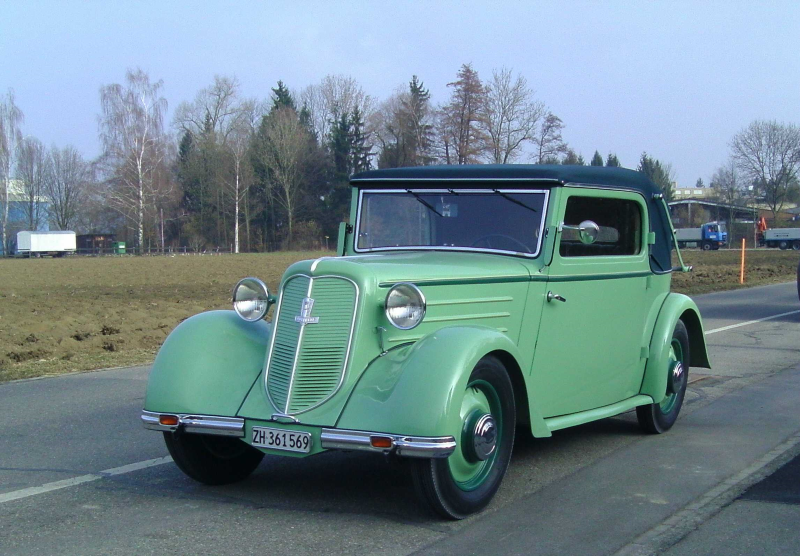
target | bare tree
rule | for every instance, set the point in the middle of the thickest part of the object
(334, 96)
(33, 170)
(66, 186)
(728, 188)
(548, 139)
(285, 156)
(461, 119)
(768, 153)
(214, 109)
(132, 134)
(240, 136)
(511, 116)
(10, 119)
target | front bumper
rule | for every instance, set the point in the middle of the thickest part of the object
(330, 439)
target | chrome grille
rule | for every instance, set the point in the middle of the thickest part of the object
(307, 362)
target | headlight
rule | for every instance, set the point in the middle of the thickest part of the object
(251, 299)
(405, 306)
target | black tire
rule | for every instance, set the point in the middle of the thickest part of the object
(659, 417)
(706, 246)
(212, 460)
(434, 479)
(783, 245)
(796, 245)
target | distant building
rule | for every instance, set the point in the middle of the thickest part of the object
(18, 205)
(679, 193)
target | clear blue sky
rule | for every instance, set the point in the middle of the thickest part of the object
(677, 79)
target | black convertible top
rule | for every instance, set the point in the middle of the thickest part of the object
(541, 175)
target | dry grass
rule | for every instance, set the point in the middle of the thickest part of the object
(81, 313)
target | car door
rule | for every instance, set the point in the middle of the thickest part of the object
(588, 351)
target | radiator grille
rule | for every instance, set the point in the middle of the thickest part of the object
(298, 379)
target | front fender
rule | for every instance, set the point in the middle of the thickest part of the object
(417, 389)
(676, 306)
(207, 365)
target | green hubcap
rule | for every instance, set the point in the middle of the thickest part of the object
(481, 419)
(676, 362)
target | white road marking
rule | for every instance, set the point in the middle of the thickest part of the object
(724, 328)
(58, 485)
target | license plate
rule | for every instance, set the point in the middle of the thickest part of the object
(280, 439)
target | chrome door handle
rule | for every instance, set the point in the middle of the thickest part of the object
(551, 296)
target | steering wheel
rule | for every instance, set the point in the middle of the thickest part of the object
(514, 240)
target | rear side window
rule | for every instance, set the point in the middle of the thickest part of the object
(620, 222)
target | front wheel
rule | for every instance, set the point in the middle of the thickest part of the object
(706, 246)
(212, 460)
(659, 417)
(465, 482)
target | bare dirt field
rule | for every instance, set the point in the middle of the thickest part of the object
(83, 313)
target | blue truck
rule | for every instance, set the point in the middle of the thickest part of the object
(711, 235)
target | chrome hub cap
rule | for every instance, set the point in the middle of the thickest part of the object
(484, 437)
(676, 378)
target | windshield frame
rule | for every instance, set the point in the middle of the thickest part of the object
(420, 191)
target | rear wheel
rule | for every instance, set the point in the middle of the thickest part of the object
(659, 417)
(465, 482)
(796, 246)
(213, 460)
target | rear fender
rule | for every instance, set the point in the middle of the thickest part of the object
(417, 389)
(676, 306)
(207, 365)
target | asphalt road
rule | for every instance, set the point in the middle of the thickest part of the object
(78, 474)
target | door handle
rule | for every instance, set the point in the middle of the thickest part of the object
(551, 296)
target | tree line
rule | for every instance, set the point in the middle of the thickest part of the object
(265, 174)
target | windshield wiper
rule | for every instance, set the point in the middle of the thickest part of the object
(520, 203)
(424, 202)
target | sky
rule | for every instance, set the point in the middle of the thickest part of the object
(675, 79)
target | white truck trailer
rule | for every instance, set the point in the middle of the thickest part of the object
(784, 238)
(36, 244)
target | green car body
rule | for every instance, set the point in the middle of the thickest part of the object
(580, 334)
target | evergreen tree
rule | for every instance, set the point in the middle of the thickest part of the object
(360, 151)
(699, 183)
(597, 160)
(339, 144)
(613, 161)
(281, 97)
(660, 174)
(573, 159)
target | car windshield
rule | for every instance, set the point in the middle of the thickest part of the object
(507, 221)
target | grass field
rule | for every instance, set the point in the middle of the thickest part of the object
(82, 313)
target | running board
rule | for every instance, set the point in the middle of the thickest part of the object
(564, 421)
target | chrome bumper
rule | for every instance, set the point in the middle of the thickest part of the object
(198, 424)
(330, 439)
(409, 446)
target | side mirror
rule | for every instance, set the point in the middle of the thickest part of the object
(341, 241)
(587, 231)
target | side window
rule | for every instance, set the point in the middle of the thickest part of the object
(620, 224)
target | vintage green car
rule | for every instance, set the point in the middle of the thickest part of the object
(462, 302)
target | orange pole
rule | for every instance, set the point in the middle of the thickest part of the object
(741, 272)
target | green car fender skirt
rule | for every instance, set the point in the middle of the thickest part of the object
(207, 365)
(676, 306)
(417, 389)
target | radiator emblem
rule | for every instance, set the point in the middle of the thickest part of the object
(305, 312)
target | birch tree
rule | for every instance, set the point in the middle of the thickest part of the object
(11, 118)
(511, 116)
(238, 145)
(132, 135)
(33, 169)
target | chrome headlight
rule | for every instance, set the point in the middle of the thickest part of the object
(251, 299)
(405, 306)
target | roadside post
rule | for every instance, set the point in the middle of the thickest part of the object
(741, 272)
